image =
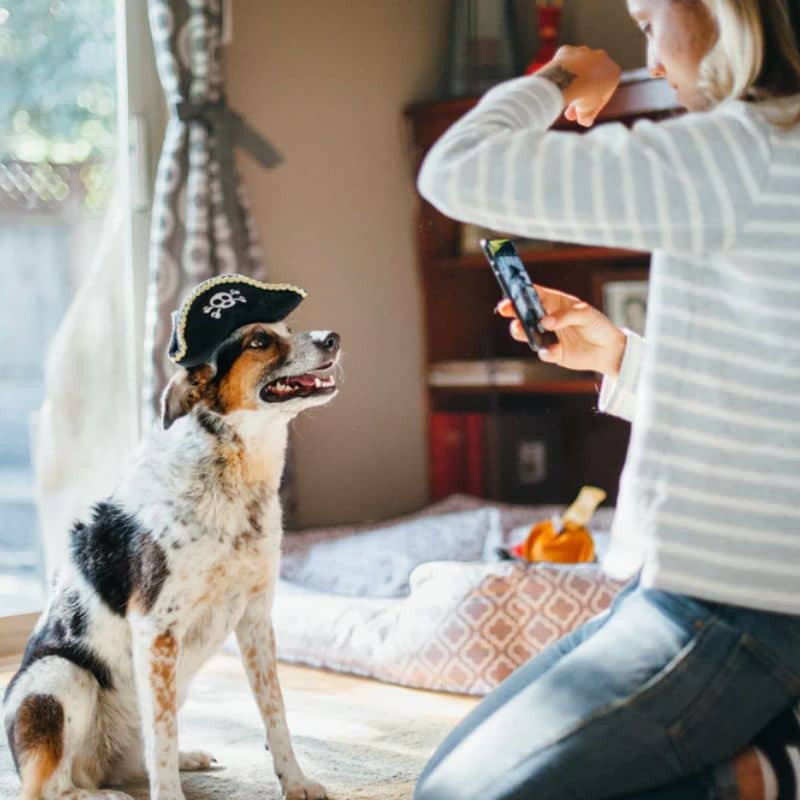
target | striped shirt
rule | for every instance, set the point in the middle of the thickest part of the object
(709, 500)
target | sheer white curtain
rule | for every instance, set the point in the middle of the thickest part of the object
(88, 425)
(86, 428)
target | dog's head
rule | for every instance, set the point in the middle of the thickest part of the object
(261, 367)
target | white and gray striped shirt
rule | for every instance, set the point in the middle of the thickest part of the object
(709, 500)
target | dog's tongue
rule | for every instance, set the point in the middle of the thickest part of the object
(304, 380)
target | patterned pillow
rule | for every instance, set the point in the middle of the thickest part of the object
(507, 614)
(379, 563)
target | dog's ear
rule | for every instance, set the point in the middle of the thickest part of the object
(186, 389)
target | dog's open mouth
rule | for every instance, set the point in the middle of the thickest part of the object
(294, 386)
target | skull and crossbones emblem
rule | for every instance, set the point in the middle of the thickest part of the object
(222, 301)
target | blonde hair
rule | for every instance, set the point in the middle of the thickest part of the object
(755, 56)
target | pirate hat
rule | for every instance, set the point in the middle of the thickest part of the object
(220, 305)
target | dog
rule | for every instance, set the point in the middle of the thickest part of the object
(185, 551)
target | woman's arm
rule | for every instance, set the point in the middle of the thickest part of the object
(685, 185)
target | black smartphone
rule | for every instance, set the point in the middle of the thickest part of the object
(518, 288)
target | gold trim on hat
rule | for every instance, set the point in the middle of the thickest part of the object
(211, 282)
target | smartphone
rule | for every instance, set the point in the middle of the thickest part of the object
(518, 288)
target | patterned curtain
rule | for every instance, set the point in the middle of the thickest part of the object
(201, 225)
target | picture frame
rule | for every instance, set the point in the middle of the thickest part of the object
(622, 296)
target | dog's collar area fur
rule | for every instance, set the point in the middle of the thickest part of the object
(219, 306)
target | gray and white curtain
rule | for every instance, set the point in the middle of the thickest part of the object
(201, 225)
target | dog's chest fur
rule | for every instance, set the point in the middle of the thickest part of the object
(209, 501)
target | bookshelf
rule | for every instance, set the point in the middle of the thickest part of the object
(565, 255)
(555, 408)
(567, 386)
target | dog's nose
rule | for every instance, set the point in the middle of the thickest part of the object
(329, 342)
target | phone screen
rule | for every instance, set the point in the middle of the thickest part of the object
(518, 288)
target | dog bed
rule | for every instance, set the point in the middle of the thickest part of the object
(423, 602)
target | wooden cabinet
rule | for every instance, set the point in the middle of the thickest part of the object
(460, 294)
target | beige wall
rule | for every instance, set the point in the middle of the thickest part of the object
(328, 82)
(606, 24)
(596, 23)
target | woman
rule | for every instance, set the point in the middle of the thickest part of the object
(701, 653)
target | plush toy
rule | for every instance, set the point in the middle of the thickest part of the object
(572, 542)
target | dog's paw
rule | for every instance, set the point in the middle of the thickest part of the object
(196, 761)
(304, 790)
(110, 795)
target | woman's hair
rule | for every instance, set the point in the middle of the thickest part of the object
(757, 52)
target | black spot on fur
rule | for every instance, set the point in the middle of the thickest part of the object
(59, 629)
(101, 551)
(118, 557)
(77, 619)
(54, 639)
(211, 423)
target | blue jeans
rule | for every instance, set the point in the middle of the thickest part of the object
(647, 701)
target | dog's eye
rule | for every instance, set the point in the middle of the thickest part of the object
(259, 341)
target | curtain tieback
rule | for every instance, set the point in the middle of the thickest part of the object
(230, 130)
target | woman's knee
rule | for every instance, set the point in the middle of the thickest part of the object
(441, 784)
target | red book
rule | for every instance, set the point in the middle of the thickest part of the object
(448, 454)
(476, 454)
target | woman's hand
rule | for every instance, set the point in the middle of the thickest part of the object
(587, 339)
(587, 79)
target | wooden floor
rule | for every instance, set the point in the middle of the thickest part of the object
(362, 739)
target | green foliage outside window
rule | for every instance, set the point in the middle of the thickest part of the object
(58, 93)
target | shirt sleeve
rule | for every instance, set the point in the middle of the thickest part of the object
(684, 185)
(618, 395)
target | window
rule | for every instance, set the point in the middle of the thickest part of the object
(61, 170)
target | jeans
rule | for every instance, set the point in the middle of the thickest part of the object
(648, 701)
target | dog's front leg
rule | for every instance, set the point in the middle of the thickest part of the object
(155, 657)
(257, 643)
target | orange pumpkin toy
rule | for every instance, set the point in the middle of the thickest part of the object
(573, 543)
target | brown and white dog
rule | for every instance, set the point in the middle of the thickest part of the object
(185, 551)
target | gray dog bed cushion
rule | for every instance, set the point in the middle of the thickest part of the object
(437, 612)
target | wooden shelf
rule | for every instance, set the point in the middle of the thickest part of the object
(638, 95)
(566, 386)
(459, 293)
(555, 255)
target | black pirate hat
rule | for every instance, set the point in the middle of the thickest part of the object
(220, 305)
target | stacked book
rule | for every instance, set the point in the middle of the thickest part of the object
(497, 372)
(516, 457)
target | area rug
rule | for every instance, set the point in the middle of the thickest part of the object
(361, 739)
